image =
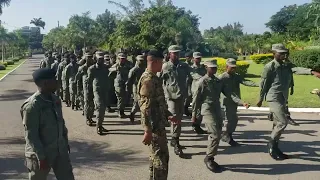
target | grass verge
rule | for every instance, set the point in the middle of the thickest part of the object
(301, 97)
(10, 67)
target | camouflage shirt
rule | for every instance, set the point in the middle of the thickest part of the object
(154, 109)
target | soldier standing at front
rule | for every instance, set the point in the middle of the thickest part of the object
(71, 71)
(174, 74)
(59, 75)
(134, 77)
(88, 108)
(99, 85)
(46, 135)
(275, 84)
(233, 81)
(154, 116)
(207, 98)
(198, 70)
(47, 61)
(121, 69)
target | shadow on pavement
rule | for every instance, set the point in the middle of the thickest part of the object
(99, 154)
(15, 95)
(88, 155)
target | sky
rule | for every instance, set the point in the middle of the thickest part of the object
(253, 14)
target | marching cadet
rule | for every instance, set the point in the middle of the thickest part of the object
(82, 75)
(207, 98)
(98, 83)
(56, 63)
(70, 75)
(46, 135)
(47, 61)
(121, 70)
(174, 74)
(188, 100)
(198, 70)
(133, 79)
(154, 116)
(59, 76)
(233, 81)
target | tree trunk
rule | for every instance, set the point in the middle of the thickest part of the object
(2, 51)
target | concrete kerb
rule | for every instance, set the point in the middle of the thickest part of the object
(301, 110)
(13, 70)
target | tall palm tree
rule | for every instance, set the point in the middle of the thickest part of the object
(4, 3)
(38, 22)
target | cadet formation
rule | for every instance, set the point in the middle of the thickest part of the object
(162, 88)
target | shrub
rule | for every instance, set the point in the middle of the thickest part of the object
(266, 61)
(10, 62)
(259, 58)
(227, 55)
(16, 59)
(4, 63)
(2, 67)
(242, 68)
(309, 58)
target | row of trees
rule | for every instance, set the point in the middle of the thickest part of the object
(161, 24)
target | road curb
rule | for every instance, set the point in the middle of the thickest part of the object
(13, 70)
(303, 110)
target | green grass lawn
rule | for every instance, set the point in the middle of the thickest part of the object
(9, 68)
(301, 97)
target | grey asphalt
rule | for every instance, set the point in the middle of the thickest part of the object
(121, 155)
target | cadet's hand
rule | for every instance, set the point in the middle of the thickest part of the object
(291, 91)
(259, 104)
(147, 138)
(247, 105)
(43, 165)
(315, 73)
(193, 119)
(173, 120)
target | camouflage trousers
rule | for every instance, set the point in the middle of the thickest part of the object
(175, 106)
(214, 124)
(80, 96)
(232, 120)
(135, 105)
(88, 104)
(100, 103)
(59, 91)
(121, 96)
(61, 166)
(73, 94)
(66, 91)
(159, 156)
(280, 120)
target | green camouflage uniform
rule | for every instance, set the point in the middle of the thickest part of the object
(122, 74)
(88, 105)
(176, 90)
(133, 79)
(46, 137)
(207, 98)
(233, 82)
(60, 89)
(99, 82)
(71, 71)
(197, 72)
(154, 115)
(47, 62)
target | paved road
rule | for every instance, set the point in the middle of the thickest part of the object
(121, 155)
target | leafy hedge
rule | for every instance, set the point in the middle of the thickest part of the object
(4, 63)
(259, 58)
(309, 58)
(242, 66)
(10, 62)
(2, 67)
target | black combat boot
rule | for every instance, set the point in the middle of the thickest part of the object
(177, 147)
(270, 116)
(90, 122)
(212, 165)
(274, 151)
(280, 153)
(121, 114)
(291, 121)
(101, 130)
(197, 129)
(131, 117)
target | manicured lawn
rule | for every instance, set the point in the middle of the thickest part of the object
(301, 97)
(10, 67)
